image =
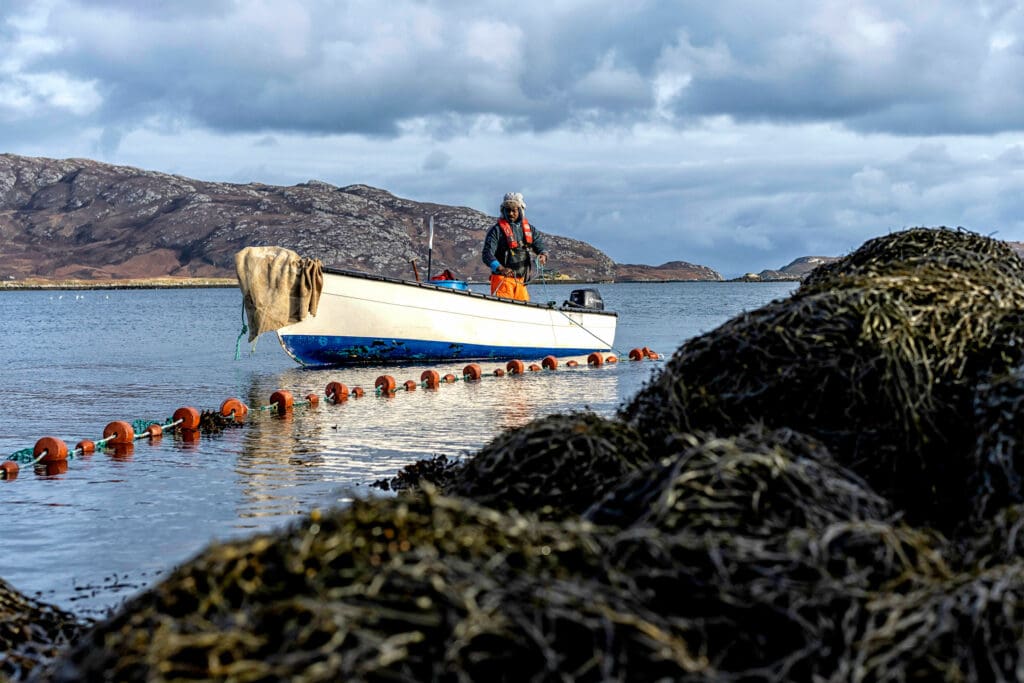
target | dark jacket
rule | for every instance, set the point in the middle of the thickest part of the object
(496, 249)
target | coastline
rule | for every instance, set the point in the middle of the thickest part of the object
(204, 282)
(127, 283)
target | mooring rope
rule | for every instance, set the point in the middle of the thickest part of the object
(543, 280)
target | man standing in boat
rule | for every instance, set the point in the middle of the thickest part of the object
(507, 248)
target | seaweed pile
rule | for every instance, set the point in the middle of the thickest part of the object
(825, 489)
(31, 633)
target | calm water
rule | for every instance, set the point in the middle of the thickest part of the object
(110, 525)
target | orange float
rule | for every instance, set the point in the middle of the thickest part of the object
(534, 367)
(450, 378)
(636, 354)
(313, 399)
(409, 385)
(283, 399)
(8, 469)
(189, 417)
(336, 391)
(121, 433)
(498, 372)
(515, 367)
(595, 359)
(653, 356)
(233, 407)
(386, 384)
(86, 446)
(155, 431)
(357, 392)
(430, 378)
(611, 359)
(472, 372)
(571, 363)
(646, 351)
(549, 363)
(54, 448)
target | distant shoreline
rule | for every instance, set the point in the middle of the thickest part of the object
(200, 283)
(133, 283)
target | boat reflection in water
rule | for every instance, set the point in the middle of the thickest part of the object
(323, 456)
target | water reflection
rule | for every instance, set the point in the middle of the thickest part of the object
(324, 454)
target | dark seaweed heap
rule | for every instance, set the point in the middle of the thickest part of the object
(825, 489)
(31, 633)
(880, 356)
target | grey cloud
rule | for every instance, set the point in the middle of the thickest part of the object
(330, 68)
(437, 160)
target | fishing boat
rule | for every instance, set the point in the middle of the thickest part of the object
(367, 318)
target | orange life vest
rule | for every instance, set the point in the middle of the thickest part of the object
(510, 237)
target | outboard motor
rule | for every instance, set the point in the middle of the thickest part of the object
(585, 298)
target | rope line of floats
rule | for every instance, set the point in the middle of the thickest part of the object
(54, 453)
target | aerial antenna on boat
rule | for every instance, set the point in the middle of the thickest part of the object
(430, 247)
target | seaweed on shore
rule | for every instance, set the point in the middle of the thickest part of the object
(556, 465)
(877, 357)
(438, 471)
(32, 633)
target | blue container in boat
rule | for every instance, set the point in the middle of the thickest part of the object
(454, 284)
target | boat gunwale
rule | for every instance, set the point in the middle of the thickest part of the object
(465, 292)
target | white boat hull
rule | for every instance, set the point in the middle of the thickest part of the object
(364, 318)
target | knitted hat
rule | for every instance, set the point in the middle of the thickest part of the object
(514, 199)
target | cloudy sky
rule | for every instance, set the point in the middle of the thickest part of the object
(737, 135)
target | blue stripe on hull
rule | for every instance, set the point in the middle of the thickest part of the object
(325, 350)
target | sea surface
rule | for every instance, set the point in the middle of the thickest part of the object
(113, 523)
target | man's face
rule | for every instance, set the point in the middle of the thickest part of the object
(513, 213)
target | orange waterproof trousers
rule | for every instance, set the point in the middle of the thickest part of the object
(509, 288)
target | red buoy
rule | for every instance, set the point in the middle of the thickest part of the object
(313, 399)
(430, 378)
(54, 448)
(515, 367)
(534, 367)
(549, 363)
(336, 391)
(498, 372)
(653, 356)
(8, 469)
(571, 363)
(409, 385)
(595, 359)
(357, 392)
(121, 433)
(86, 446)
(450, 378)
(386, 384)
(646, 351)
(155, 431)
(611, 359)
(636, 354)
(283, 399)
(472, 372)
(189, 417)
(233, 407)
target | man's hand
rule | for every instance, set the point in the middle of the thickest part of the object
(505, 271)
(542, 259)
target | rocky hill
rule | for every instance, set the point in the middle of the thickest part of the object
(81, 219)
(671, 271)
(794, 271)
